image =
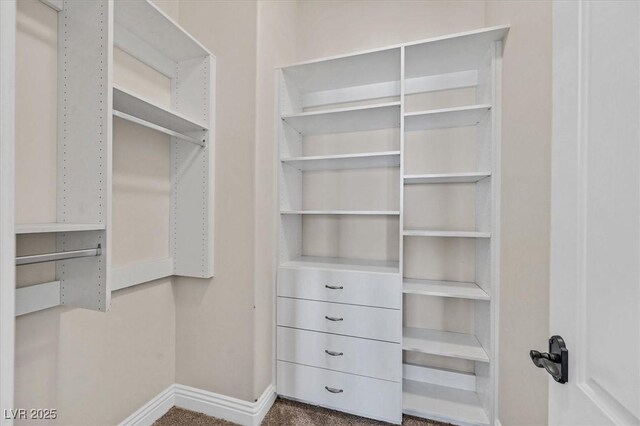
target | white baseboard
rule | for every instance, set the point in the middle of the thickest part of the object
(212, 404)
(152, 410)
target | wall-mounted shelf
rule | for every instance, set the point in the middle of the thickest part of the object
(454, 289)
(446, 117)
(88, 101)
(147, 33)
(451, 234)
(341, 120)
(345, 161)
(343, 212)
(442, 403)
(133, 107)
(44, 228)
(443, 343)
(471, 177)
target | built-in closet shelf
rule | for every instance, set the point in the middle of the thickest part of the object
(343, 264)
(142, 25)
(345, 161)
(446, 178)
(447, 117)
(134, 105)
(443, 343)
(43, 228)
(452, 234)
(344, 212)
(341, 120)
(442, 403)
(460, 290)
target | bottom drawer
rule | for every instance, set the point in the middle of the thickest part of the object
(363, 396)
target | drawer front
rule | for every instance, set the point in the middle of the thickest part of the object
(341, 353)
(348, 320)
(363, 396)
(358, 288)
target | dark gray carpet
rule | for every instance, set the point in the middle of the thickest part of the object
(286, 413)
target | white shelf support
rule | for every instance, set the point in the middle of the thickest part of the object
(37, 297)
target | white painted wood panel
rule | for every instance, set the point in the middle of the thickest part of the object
(439, 376)
(363, 396)
(338, 318)
(37, 297)
(364, 357)
(357, 288)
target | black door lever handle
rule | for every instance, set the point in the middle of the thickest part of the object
(556, 361)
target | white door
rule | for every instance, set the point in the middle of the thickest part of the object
(595, 220)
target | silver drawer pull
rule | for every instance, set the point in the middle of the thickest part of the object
(333, 287)
(333, 318)
(333, 390)
(332, 353)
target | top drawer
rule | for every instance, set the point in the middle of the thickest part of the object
(357, 288)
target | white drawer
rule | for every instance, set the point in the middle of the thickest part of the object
(348, 320)
(364, 357)
(358, 288)
(363, 396)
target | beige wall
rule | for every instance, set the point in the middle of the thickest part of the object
(95, 368)
(334, 27)
(526, 173)
(215, 318)
(217, 334)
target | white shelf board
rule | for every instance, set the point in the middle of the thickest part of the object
(460, 290)
(43, 228)
(343, 264)
(443, 343)
(337, 72)
(442, 403)
(341, 120)
(345, 161)
(453, 234)
(156, 29)
(344, 212)
(446, 117)
(471, 177)
(451, 53)
(132, 104)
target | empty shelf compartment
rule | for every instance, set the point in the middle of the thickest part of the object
(344, 212)
(345, 161)
(471, 177)
(442, 403)
(452, 234)
(343, 264)
(444, 118)
(454, 289)
(443, 343)
(361, 118)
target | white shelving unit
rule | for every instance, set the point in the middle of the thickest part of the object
(88, 101)
(316, 101)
